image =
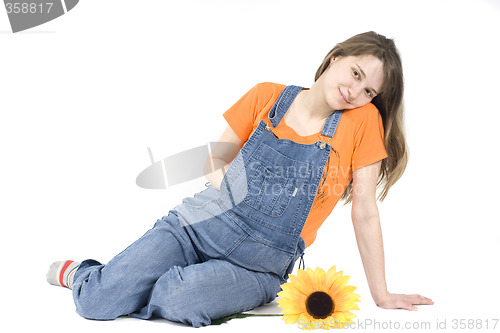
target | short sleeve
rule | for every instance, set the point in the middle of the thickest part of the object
(242, 114)
(369, 139)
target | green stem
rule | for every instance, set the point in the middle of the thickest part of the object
(243, 315)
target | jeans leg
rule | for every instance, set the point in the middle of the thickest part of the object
(199, 293)
(124, 285)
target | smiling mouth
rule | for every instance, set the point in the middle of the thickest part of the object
(343, 97)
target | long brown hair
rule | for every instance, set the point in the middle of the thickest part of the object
(389, 103)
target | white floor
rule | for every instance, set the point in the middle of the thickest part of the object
(83, 96)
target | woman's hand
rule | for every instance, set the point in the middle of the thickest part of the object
(403, 301)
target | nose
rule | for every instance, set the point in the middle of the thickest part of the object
(354, 92)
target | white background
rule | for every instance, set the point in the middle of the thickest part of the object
(83, 96)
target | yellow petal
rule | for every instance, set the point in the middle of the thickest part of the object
(343, 291)
(332, 278)
(290, 318)
(331, 271)
(308, 275)
(318, 278)
(303, 276)
(339, 283)
(349, 315)
(306, 321)
(293, 295)
(339, 317)
(291, 307)
(290, 287)
(295, 280)
(302, 280)
(346, 306)
(346, 298)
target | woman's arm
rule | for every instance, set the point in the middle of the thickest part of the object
(366, 222)
(221, 156)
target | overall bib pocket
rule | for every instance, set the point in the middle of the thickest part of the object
(273, 180)
(269, 192)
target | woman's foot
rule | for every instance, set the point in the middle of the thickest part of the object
(61, 273)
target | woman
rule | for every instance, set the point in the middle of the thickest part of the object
(230, 247)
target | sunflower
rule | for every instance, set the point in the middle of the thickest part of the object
(315, 299)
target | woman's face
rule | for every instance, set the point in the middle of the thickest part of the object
(351, 82)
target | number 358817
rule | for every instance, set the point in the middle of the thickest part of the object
(28, 7)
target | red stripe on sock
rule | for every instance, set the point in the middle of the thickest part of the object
(61, 275)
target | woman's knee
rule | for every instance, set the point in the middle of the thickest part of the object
(95, 299)
(198, 294)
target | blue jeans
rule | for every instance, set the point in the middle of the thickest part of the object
(164, 274)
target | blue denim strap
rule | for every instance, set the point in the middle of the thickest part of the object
(331, 124)
(282, 104)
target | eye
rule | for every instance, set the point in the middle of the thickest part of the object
(356, 74)
(369, 93)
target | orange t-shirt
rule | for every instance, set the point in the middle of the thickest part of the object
(358, 142)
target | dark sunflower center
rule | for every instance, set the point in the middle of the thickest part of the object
(319, 305)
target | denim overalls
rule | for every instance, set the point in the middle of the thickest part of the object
(219, 252)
